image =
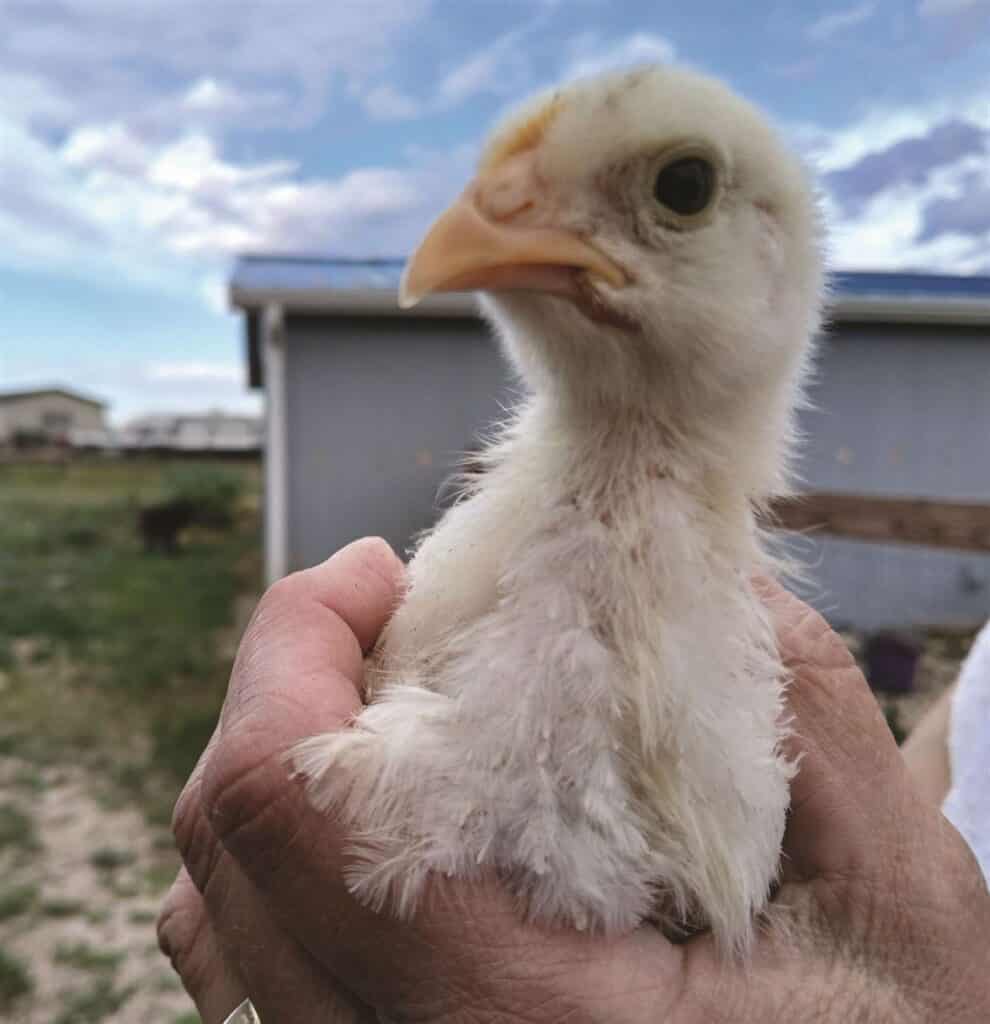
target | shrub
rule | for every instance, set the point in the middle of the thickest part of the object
(212, 492)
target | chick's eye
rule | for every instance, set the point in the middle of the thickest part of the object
(685, 186)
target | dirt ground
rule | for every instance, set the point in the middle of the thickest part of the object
(89, 878)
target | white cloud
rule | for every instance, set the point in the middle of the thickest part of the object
(225, 52)
(112, 146)
(213, 291)
(499, 69)
(106, 204)
(211, 95)
(879, 127)
(385, 103)
(830, 25)
(889, 230)
(590, 56)
(949, 8)
(195, 372)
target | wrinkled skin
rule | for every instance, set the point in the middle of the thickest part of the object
(882, 915)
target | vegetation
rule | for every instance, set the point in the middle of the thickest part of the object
(16, 900)
(15, 981)
(17, 830)
(108, 652)
(95, 1003)
(84, 957)
(213, 492)
(113, 659)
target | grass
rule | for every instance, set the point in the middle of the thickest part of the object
(109, 858)
(108, 652)
(84, 957)
(15, 981)
(61, 908)
(17, 900)
(90, 1006)
(117, 660)
(17, 829)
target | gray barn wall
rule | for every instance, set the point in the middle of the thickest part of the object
(379, 412)
(900, 411)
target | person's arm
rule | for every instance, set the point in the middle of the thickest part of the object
(882, 914)
(926, 750)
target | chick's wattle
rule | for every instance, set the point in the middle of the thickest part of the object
(581, 691)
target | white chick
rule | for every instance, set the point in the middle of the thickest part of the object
(580, 690)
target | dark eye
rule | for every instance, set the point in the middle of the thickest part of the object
(686, 186)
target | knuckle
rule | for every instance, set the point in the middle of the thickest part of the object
(243, 791)
(284, 593)
(195, 839)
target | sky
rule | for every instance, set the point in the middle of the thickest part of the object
(144, 143)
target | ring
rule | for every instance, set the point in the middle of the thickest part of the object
(243, 1014)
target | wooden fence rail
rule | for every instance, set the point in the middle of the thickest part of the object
(941, 524)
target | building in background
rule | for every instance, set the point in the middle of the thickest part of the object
(209, 433)
(369, 409)
(49, 415)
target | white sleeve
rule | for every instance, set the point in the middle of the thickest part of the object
(968, 804)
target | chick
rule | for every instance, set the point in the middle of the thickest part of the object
(580, 691)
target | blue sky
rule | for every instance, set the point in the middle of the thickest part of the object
(142, 145)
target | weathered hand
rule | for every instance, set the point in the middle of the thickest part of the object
(882, 914)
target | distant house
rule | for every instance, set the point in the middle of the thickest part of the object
(50, 415)
(370, 407)
(214, 432)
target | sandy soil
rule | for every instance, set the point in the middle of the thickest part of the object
(88, 940)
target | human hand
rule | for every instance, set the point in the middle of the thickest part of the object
(882, 914)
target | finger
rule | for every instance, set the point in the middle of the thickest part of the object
(244, 952)
(297, 673)
(849, 796)
(926, 750)
(284, 982)
(186, 937)
(309, 634)
(298, 670)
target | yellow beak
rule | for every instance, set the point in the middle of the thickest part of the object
(465, 250)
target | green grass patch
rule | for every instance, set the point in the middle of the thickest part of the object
(17, 829)
(30, 779)
(84, 957)
(15, 981)
(110, 653)
(94, 1004)
(110, 858)
(61, 908)
(16, 900)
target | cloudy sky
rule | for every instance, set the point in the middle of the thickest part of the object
(144, 142)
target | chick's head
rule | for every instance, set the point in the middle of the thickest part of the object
(640, 238)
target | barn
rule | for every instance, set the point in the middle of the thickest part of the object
(369, 408)
(49, 414)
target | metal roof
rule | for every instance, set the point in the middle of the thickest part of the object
(19, 394)
(329, 285)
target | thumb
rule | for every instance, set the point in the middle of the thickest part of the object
(851, 786)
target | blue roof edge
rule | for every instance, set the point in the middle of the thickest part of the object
(313, 273)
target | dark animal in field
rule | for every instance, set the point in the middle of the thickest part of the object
(160, 524)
